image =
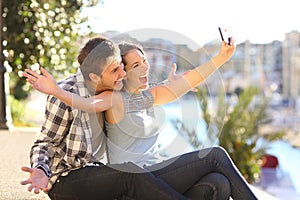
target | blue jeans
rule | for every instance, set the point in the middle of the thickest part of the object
(184, 173)
(210, 187)
(107, 183)
(204, 174)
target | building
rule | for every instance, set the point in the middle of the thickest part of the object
(291, 67)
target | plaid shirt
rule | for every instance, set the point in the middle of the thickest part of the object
(64, 143)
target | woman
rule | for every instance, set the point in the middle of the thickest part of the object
(132, 128)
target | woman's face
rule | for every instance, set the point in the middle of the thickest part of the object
(137, 70)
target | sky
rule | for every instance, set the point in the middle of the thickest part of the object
(260, 21)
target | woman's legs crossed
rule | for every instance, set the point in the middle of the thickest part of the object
(184, 171)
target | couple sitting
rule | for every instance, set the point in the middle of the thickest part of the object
(67, 158)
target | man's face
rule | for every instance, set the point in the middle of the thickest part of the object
(112, 76)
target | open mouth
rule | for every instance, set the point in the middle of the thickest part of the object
(144, 79)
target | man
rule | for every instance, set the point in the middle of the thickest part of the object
(68, 157)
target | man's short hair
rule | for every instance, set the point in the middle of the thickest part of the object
(96, 54)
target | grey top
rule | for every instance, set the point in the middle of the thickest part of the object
(98, 138)
(134, 139)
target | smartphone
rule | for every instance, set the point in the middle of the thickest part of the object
(222, 37)
(221, 34)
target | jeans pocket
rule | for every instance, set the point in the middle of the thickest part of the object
(58, 191)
